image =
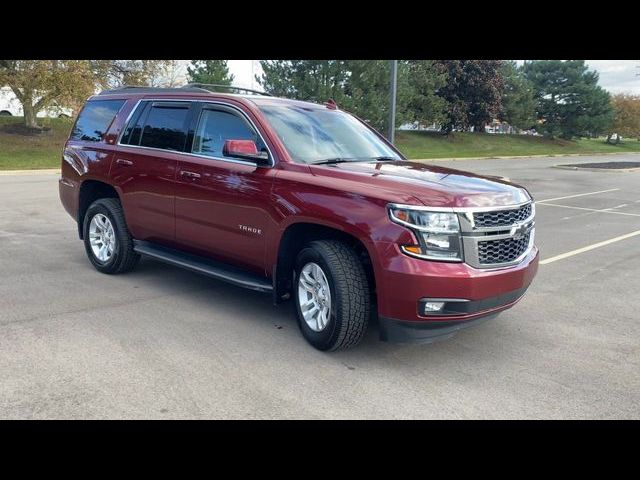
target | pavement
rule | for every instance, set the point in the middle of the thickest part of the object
(161, 342)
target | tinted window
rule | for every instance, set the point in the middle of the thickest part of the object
(132, 133)
(217, 126)
(165, 127)
(94, 120)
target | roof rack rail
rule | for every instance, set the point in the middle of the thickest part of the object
(207, 86)
(144, 89)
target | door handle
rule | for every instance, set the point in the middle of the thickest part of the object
(186, 173)
(122, 161)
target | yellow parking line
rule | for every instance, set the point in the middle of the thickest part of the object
(578, 195)
(589, 247)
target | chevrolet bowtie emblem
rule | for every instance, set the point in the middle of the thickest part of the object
(519, 231)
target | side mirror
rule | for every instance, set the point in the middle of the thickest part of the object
(245, 150)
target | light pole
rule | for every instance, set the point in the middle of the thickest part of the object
(392, 105)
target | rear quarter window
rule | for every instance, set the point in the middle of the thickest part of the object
(94, 120)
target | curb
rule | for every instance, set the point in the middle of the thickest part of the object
(522, 156)
(41, 171)
(589, 169)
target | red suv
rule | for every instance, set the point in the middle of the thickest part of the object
(299, 200)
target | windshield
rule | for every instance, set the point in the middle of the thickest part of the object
(314, 135)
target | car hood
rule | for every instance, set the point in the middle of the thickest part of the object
(432, 185)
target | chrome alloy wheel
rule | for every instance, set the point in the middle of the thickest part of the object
(314, 297)
(102, 237)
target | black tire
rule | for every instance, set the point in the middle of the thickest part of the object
(124, 258)
(350, 295)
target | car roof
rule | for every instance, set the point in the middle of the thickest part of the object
(190, 92)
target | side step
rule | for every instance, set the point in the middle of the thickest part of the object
(206, 266)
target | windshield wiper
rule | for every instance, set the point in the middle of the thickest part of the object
(328, 161)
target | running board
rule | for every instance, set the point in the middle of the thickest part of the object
(205, 266)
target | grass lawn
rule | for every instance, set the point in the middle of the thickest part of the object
(419, 145)
(44, 151)
(18, 152)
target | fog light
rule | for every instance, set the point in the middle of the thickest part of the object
(431, 307)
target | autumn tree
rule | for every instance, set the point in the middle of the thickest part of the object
(40, 84)
(116, 73)
(626, 120)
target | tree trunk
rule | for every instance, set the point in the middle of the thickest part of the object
(478, 128)
(30, 119)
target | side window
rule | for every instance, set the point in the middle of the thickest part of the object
(131, 135)
(94, 120)
(216, 126)
(165, 126)
(158, 125)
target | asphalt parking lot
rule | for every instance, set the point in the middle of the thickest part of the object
(161, 342)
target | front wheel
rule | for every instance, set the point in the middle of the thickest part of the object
(107, 239)
(331, 293)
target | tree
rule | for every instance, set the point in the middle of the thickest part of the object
(116, 73)
(425, 81)
(169, 76)
(518, 101)
(626, 121)
(367, 89)
(359, 86)
(473, 92)
(310, 80)
(40, 84)
(569, 101)
(209, 71)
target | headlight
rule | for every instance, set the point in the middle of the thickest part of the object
(438, 233)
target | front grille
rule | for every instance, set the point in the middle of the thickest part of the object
(502, 251)
(502, 218)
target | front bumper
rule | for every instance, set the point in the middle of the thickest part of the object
(397, 331)
(403, 281)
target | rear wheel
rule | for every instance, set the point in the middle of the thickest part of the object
(107, 239)
(331, 295)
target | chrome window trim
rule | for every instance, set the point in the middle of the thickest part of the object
(214, 102)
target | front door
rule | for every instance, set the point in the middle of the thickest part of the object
(222, 203)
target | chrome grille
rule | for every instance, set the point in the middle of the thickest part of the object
(502, 251)
(496, 238)
(501, 218)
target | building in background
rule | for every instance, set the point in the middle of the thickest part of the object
(10, 106)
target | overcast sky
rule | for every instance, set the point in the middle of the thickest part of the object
(617, 76)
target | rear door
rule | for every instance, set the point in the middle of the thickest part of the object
(222, 203)
(144, 167)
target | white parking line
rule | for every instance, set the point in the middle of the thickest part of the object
(589, 247)
(578, 195)
(606, 210)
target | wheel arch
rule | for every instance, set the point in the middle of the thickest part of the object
(299, 233)
(90, 191)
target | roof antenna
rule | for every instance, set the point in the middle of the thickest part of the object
(331, 104)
